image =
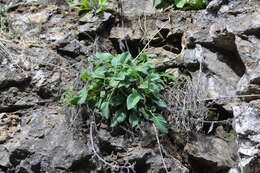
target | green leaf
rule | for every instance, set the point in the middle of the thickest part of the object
(154, 76)
(82, 94)
(117, 100)
(104, 56)
(105, 109)
(144, 85)
(124, 84)
(121, 76)
(144, 68)
(159, 102)
(113, 83)
(133, 99)
(157, 2)
(133, 120)
(160, 123)
(180, 3)
(72, 3)
(121, 59)
(74, 100)
(147, 115)
(154, 88)
(170, 77)
(99, 72)
(85, 75)
(120, 116)
(85, 9)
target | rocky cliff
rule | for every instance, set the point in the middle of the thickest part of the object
(44, 47)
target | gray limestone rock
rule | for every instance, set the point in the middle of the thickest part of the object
(247, 126)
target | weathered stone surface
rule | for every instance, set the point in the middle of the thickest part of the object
(250, 83)
(44, 143)
(172, 165)
(91, 23)
(213, 154)
(214, 5)
(248, 48)
(212, 70)
(137, 6)
(247, 126)
(244, 24)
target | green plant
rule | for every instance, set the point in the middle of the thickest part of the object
(98, 6)
(3, 22)
(123, 89)
(181, 4)
(2, 11)
(33, 9)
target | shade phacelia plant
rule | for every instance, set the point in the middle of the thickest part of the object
(125, 90)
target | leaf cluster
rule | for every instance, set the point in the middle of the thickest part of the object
(123, 89)
(98, 6)
(181, 4)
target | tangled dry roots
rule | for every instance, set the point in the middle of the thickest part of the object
(185, 105)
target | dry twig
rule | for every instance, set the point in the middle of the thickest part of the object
(114, 167)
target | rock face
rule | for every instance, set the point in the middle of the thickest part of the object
(247, 127)
(45, 48)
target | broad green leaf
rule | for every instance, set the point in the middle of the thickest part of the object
(104, 56)
(124, 84)
(84, 3)
(133, 119)
(74, 100)
(147, 115)
(133, 99)
(144, 85)
(159, 102)
(113, 83)
(85, 75)
(154, 88)
(154, 76)
(121, 76)
(120, 116)
(98, 104)
(157, 2)
(117, 100)
(99, 10)
(180, 3)
(72, 3)
(102, 2)
(105, 109)
(83, 94)
(160, 123)
(144, 68)
(99, 72)
(121, 59)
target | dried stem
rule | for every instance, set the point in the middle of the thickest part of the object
(115, 167)
(147, 44)
(160, 148)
